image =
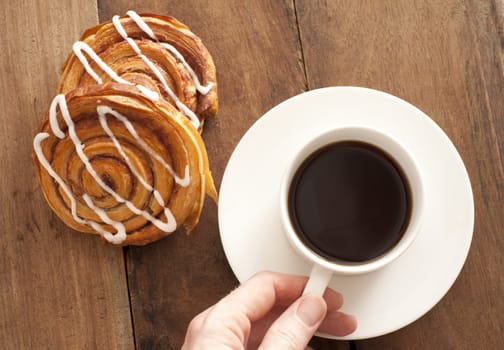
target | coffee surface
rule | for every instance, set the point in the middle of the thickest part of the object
(349, 201)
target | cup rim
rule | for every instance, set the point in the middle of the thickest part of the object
(347, 267)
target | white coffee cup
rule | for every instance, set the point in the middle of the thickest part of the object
(323, 268)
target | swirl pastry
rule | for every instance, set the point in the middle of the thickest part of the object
(119, 152)
(158, 54)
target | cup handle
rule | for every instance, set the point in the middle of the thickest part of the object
(318, 281)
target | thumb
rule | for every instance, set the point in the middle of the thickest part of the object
(295, 327)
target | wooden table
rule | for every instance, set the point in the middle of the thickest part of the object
(63, 290)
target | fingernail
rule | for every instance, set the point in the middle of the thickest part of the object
(311, 310)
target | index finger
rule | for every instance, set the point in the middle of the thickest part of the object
(261, 292)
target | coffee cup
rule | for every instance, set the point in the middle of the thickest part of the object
(351, 202)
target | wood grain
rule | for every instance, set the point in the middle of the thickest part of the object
(499, 19)
(58, 289)
(445, 58)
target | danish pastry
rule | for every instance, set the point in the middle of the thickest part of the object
(119, 152)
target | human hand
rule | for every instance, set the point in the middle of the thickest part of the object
(268, 312)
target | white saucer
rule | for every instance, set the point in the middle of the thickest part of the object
(382, 301)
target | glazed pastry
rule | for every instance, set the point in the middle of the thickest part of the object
(113, 162)
(158, 54)
(119, 152)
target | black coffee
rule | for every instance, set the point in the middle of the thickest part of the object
(349, 201)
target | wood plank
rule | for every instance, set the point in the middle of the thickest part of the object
(499, 12)
(256, 50)
(445, 58)
(58, 289)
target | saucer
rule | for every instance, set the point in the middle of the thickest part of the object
(249, 211)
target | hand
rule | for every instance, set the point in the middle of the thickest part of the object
(268, 312)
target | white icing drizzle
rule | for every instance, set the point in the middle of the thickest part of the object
(59, 100)
(120, 29)
(79, 47)
(120, 235)
(147, 30)
(104, 110)
(201, 88)
(169, 226)
(118, 238)
(150, 94)
(141, 24)
(45, 163)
